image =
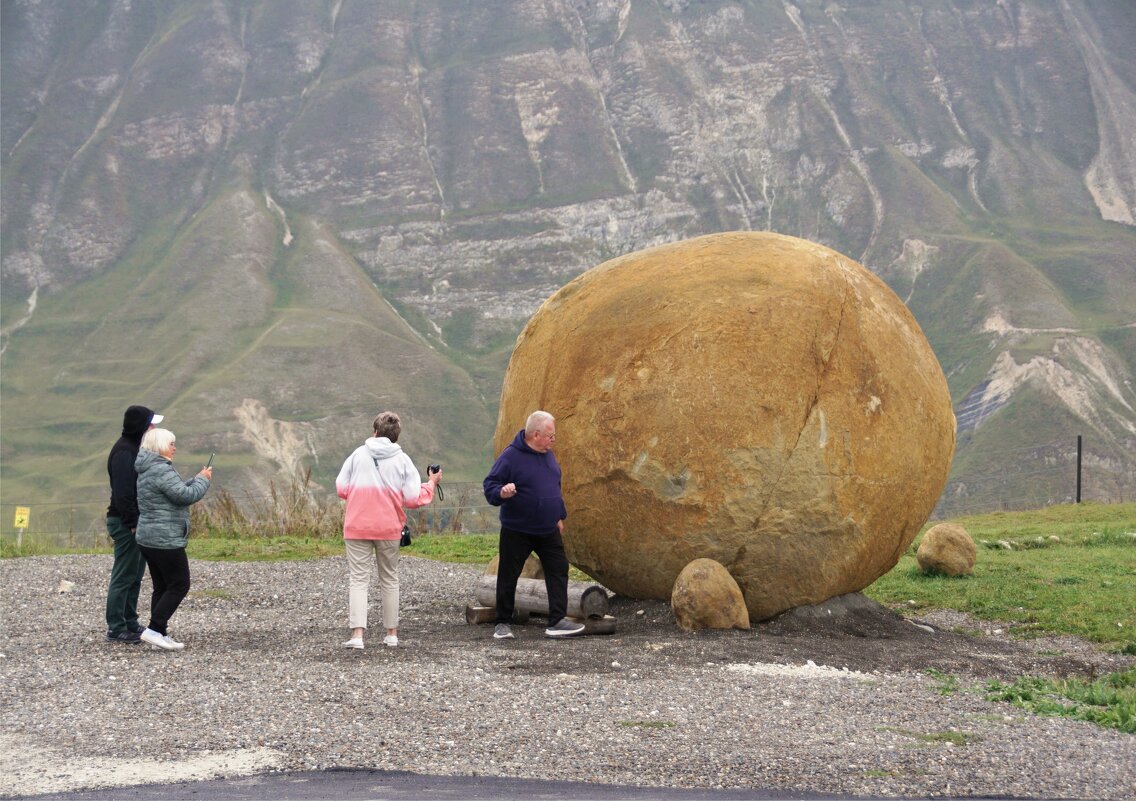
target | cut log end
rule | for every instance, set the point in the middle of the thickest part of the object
(599, 625)
(475, 615)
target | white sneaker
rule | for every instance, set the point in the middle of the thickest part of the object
(160, 640)
(390, 641)
(354, 642)
(176, 646)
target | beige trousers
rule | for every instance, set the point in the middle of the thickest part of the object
(359, 578)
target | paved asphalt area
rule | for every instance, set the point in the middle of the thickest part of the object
(381, 785)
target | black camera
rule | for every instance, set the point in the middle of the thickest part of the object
(431, 470)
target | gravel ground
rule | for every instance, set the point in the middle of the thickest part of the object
(843, 706)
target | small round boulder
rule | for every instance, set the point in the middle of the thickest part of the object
(947, 548)
(751, 398)
(705, 596)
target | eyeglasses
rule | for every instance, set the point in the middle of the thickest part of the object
(546, 435)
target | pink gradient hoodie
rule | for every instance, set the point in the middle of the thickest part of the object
(378, 481)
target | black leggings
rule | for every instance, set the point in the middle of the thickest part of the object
(515, 547)
(169, 570)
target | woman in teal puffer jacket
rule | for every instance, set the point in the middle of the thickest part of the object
(164, 498)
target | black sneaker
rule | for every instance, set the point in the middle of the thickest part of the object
(128, 637)
(135, 627)
(564, 628)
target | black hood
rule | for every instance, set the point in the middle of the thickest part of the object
(135, 421)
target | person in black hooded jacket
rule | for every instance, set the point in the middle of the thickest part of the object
(122, 518)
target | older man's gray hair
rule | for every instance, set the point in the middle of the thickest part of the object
(537, 420)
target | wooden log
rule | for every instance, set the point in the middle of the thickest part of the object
(584, 600)
(599, 625)
(480, 614)
(476, 614)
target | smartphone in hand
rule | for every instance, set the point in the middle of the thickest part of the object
(210, 462)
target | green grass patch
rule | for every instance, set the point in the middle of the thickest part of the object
(1068, 570)
(37, 546)
(462, 549)
(948, 684)
(263, 549)
(1108, 701)
(467, 549)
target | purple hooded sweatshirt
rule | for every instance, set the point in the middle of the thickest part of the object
(538, 505)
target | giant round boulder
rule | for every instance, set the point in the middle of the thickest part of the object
(751, 398)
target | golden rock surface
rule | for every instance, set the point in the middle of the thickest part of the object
(751, 398)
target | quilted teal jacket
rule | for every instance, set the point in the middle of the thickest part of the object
(164, 499)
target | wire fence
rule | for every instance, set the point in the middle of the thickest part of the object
(1030, 477)
(74, 525)
(82, 524)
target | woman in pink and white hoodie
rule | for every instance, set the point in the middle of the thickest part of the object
(378, 481)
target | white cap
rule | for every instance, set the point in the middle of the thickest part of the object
(157, 418)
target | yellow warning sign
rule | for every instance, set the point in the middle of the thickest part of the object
(22, 515)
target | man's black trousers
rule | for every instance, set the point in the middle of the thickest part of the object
(515, 547)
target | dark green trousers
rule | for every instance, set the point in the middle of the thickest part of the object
(125, 578)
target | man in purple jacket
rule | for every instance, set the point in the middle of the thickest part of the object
(525, 483)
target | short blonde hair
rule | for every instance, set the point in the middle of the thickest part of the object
(158, 440)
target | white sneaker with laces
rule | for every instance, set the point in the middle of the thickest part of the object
(158, 640)
(390, 641)
(174, 645)
(354, 642)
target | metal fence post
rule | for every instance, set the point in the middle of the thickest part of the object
(1078, 468)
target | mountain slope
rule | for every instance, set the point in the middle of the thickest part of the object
(276, 218)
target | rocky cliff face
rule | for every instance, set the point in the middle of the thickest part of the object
(281, 216)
